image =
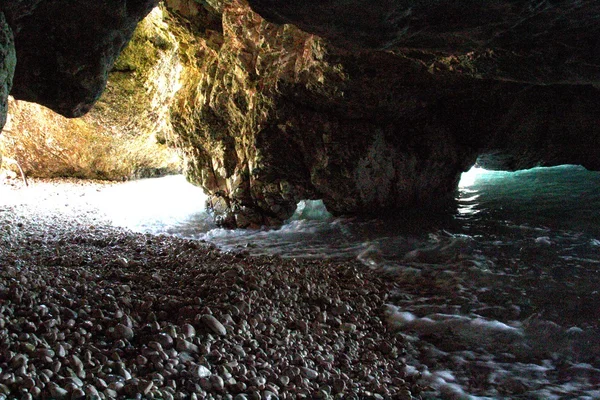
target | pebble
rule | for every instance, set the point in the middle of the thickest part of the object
(239, 351)
(272, 330)
(60, 351)
(165, 340)
(185, 346)
(188, 331)
(217, 382)
(77, 394)
(91, 392)
(284, 380)
(268, 395)
(201, 371)
(57, 392)
(123, 332)
(309, 373)
(213, 324)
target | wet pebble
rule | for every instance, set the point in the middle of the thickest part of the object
(213, 324)
(168, 324)
(123, 332)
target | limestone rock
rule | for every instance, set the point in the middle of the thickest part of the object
(526, 41)
(385, 109)
(374, 107)
(124, 134)
(213, 324)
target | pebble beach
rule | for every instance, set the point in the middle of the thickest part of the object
(88, 310)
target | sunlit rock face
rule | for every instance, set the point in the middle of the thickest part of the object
(384, 109)
(65, 48)
(274, 115)
(123, 136)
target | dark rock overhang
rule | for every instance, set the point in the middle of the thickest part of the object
(539, 42)
(66, 48)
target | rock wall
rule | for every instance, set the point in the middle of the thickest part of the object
(538, 42)
(65, 48)
(124, 135)
(275, 115)
(7, 67)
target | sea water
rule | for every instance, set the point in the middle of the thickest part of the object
(499, 299)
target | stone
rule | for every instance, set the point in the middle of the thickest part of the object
(268, 395)
(217, 382)
(339, 385)
(284, 380)
(185, 346)
(57, 392)
(201, 371)
(78, 394)
(91, 392)
(213, 324)
(309, 373)
(188, 331)
(123, 332)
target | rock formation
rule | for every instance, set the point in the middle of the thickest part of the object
(387, 107)
(65, 49)
(7, 67)
(372, 106)
(124, 134)
(538, 42)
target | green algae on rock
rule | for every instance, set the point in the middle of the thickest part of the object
(123, 136)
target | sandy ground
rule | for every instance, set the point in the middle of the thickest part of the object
(91, 311)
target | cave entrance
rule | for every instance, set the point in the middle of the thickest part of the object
(561, 197)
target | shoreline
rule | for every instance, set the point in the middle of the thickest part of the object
(92, 310)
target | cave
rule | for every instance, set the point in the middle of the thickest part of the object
(329, 140)
(279, 104)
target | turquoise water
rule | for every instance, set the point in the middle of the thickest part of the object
(498, 299)
(564, 197)
(491, 206)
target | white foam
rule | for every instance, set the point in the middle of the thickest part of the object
(152, 205)
(543, 241)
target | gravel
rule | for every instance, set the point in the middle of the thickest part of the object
(92, 311)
